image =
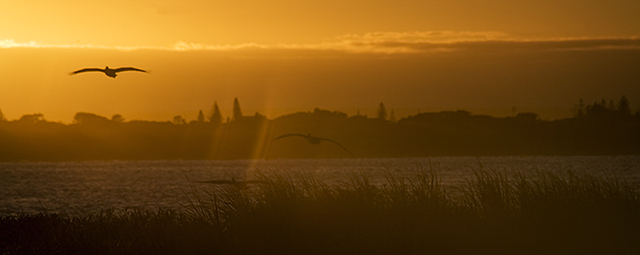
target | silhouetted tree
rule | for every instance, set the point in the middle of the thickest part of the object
(527, 117)
(215, 116)
(85, 118)
(580, 111)
(178, 120)
(382, 112)
(598, 110)
(117, 118)
(612, 105)
(200, 117)
(328, 115)
(32, 118)
(392, 117)
(2, 116)
(237, 112)
(623, 107)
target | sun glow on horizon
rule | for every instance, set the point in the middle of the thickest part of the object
(351, 71)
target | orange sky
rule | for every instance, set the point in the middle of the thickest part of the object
(285, 56)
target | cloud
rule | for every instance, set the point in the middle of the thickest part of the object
(399, 42)
(10, 43)
(415, 42)
(185, 46)
(386, 43)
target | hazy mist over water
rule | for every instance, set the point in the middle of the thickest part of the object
(90, 186)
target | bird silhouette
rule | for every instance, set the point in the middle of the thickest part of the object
(313, 140)
(108, 71)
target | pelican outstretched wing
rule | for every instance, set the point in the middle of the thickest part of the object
(86, 70)
(288, 135)
(344, 148)
(311, 138)
(122, 69)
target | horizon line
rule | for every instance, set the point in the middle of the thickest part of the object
(418, 110)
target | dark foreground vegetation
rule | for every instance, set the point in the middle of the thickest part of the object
(598, 129)
(493, 213)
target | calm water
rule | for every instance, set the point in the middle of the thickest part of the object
(85, 187)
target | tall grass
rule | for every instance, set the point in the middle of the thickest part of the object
(492, 213)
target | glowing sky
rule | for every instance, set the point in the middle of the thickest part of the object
(283, 56)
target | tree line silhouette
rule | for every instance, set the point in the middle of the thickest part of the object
(600, 128)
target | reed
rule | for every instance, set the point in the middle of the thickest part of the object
(494, 212)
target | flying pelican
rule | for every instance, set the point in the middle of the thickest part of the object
(108, 71)
(313, 140)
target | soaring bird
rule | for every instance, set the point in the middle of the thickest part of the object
(313, 140)
(108, 71)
